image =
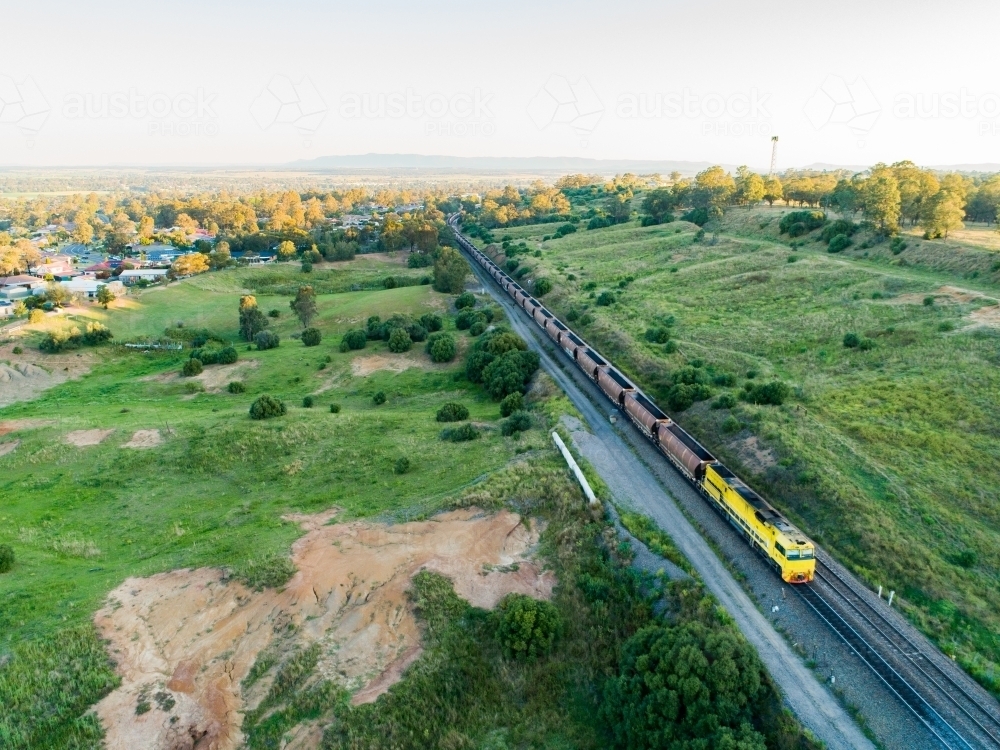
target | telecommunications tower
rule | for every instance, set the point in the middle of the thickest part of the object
(774, 154)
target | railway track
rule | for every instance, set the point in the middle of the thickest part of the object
(956, 711)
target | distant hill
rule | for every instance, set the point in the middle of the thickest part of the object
(563, 164)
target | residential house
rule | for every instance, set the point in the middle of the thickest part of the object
(160, 254)
(88, 286)
(135, 275)
(59, 267)
(21, 286)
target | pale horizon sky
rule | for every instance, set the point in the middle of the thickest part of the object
(110, 83)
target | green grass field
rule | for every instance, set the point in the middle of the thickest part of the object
(888, 456)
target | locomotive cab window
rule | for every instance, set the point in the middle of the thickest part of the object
(778, 547)
(792, 554)
(807, 554)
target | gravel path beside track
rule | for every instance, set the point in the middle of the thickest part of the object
(633, 485)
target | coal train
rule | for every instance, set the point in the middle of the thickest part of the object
(785, 547)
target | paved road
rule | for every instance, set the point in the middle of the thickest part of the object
(633, 485)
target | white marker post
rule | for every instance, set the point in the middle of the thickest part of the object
(591, 497)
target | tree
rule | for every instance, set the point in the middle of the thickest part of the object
(880, 199)
(944, 213)
(399, 341)
(659, 203)
(441, 347)
(713, 189)
(84, 232)
(526, 627)
(916, 188)
(286, 250)
(450, 271)
(220, 256)
(266, 407)
(311, 337)
(252, 320)
(750, 188)
(146, 227)
(618, 207)
(105, 296)
(685, 686)
(772, 190)
(304, 305)
(190, 264)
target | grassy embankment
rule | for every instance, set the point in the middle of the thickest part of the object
(889, 456)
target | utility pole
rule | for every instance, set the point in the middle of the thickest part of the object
(774, 154)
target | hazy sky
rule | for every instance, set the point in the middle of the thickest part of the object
(110, 82)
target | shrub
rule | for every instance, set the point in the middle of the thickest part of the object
(17, 350)
(464, 300)
(452, 412)
(851, 340)
(565, 229)
(417, 332)
(657, 335)
(36, 316)
(526, 628)
(401, 466)
(946, 326)
(697, 216)
(441, 347)
(809, 220)
(335, 408)
(477, 328)
(774, 393)
(308, 402)
(460, 434)
(399, 341)
(725, 401)
(837, 228)
(266, 407)
(519, 421)
(236, 386)
(192, 367)
(839, 243)
(311, 337)
(379, 398)
(599, 222)
(432, 322)
(542, 287)
(929, 301)
(725, 379)
(897, 245)
(355, 339)
(509, 373)
(389, 283)
(866, 344)
(670, 347)
(511, 403)
(228, 355)
(6, 558)
(682, 395)
(465, 319)
(269, 571)
(274, 313)
(511, 264)
(731, 424)
(266, 340)
(419, 260)
(307, 266)
(604, 299)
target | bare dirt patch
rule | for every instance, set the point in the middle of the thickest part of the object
(30, 373)
(986, 316)
(364, 366)
(214, 378)
(945, 295)
(194, 636)
(86, 438)
(144, 439)
(16, 425)
(753, 454)
(9, 447)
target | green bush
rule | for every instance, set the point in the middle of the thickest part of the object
(731, 424)
(379, 398)
(401, 466)
(441, 347)
(564, 229)
(335, 408)
(465, 300)
(837, 228)
(725, 401)
(682, 396)
(192, 367)
(519, 421)
(598, 222)
(354, 339)
(511, 264)
(460, 434)
(228, 355)
(526, 628)
(477, 328)
(308, 402)
(839, 243)
(511, 403)
(465, 319)
(929, 301)
(657, 335)
(311, 337)
(452, 412)
(389, 283)
(17, 350)
(236, 386)
(697, 216)
(432, 322)
(419, 260)
(266, 340)
(399, 341)
(724, 379)
(509, 373)
(774, 393)
(269, 571)
(274, 313)
(604, 299)
(542, 287)
(417, 332)
(307, 267)
(808, 221)
(670, 347)
(266, 407)
(6, 558)
(897, 245)
(852, 340)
